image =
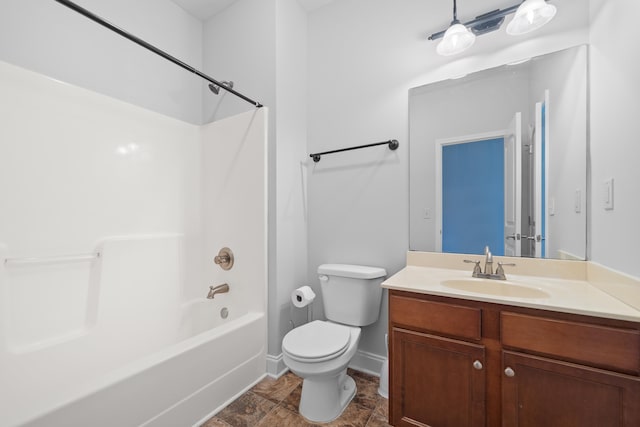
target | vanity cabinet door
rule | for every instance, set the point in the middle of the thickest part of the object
(436, 381)
(543, 392)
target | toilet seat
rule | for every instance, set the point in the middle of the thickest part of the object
(316, 341)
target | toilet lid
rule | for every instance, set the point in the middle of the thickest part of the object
(316, 340)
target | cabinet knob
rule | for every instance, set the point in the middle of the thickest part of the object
(509, 372)
(477, 365)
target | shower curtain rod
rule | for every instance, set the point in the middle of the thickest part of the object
(165, 55)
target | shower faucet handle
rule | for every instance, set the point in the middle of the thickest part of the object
(220, 259)
(224, 258)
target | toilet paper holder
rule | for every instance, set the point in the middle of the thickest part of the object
(303, 297)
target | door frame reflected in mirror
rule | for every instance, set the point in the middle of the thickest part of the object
(558, 228)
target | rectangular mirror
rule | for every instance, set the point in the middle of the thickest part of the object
(499, 158)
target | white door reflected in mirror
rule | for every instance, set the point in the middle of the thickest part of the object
(541, 171)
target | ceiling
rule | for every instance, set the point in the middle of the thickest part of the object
(205, 9)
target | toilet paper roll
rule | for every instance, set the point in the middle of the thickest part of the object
(303, 296)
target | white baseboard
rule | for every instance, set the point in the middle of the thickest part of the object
(369, 363)
(275, 366)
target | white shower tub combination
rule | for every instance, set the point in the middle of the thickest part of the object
(106, 257)
(178, 383)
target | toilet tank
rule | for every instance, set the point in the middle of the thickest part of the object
(351, 294)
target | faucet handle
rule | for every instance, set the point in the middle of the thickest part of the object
(500, 270)
(476, 269)
(224, 258)
(507, 264)
(504, 264)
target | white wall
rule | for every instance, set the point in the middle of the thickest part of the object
(49, 38)
(238, 45)
(291, 133)
(614, 88)
(364, 56)
(261, 46)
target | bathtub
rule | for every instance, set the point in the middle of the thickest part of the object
(204, 362)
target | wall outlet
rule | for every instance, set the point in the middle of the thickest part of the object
(608, 194)
(427, 213)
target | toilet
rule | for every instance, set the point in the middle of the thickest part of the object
(320, 351)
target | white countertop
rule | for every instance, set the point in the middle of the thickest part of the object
(573, 293)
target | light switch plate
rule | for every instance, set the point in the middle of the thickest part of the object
(608, 194)
(577, 201)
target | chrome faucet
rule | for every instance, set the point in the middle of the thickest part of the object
(488, 267)
(220, 289)
(488, 261)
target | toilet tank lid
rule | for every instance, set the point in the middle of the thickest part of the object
(352, 271)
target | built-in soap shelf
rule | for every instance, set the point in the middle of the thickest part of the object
(52, 301)
(46, 299)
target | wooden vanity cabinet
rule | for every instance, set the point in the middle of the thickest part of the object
(457, 362)
(431, 374)
(578, 373)
(437, 363)
(545, 392)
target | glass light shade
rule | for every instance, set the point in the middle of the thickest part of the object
(456, 39)
(531, 15)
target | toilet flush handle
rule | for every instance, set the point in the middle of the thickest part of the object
(323, 278)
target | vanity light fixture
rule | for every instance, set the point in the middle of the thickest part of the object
(529, 16)
(457, 38)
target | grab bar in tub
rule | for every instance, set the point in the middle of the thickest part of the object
(52, 259)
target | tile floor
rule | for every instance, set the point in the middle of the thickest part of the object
(275, 403)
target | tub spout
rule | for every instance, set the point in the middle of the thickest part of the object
(220, 289)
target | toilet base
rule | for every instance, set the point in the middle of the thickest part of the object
(323, 398)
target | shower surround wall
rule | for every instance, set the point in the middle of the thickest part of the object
(156, 198)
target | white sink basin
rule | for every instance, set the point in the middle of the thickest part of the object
(495, 287)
